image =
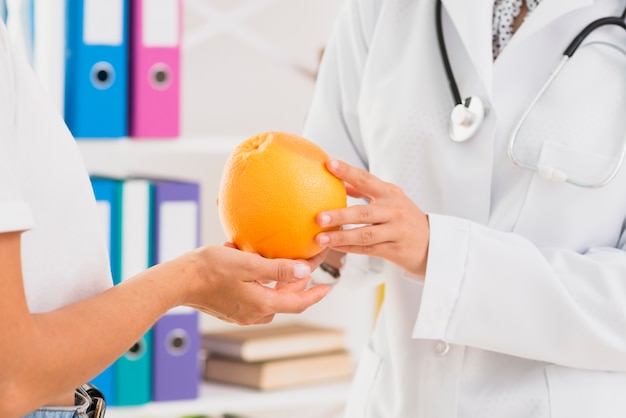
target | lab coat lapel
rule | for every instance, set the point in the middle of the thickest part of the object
(473, 21)
(546, 12)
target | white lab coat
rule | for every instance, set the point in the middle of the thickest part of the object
(523, 309)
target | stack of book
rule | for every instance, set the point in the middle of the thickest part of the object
(277, 356)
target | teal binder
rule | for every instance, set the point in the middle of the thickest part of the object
(134, 374)
(133, 381)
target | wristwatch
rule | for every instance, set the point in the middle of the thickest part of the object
(92, 398)
(325, 274)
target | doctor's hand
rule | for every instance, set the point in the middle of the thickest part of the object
(390, 227)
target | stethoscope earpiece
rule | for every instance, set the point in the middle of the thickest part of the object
(466, 118)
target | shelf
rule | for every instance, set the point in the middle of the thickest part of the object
(176, 158)
(216, 399)
(199, 160)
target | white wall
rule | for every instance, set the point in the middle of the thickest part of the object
(249, 65)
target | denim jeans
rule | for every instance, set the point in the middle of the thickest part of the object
(78, 411)
(58, 412)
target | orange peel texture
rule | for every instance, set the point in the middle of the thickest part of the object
(272, 187)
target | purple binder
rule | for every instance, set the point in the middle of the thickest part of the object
(176, 373)
(176, 219)
(176, 335)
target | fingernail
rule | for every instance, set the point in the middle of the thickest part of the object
(324, 220)
(334, 164)
(323, 239)
(300, 271)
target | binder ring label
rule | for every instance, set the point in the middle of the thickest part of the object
(160, 76)
(177, 342)
(136, 351)
(102, 75)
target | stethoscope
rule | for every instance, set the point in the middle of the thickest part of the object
(468, 114)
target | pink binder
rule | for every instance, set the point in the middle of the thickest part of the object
(155, 68)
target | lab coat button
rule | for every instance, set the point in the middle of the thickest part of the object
(442, 348)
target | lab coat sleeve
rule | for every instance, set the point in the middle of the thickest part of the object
(497, 291)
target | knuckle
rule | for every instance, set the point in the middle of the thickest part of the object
(364, 213)
(281, 271)
(367, 236)
(336, 216)
(394, 189)
(364, 176)
(337, 238)
(398, 214)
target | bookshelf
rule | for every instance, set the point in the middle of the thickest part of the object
(319, 401)
(201, 159)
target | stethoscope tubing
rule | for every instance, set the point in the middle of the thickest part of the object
(578, 40)
(569, 51)
(550, 172)
(445, 58)
(546, 172)
(518, 126)
(553, 173)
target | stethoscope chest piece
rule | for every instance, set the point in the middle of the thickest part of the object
(466, 118)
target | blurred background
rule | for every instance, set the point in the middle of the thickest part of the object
(249, 65)
(246, 67)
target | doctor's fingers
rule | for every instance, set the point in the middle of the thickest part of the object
(379, 224)
(394, 208)
(358, 214)
(406, 246)
(366, 238)
(361, 183)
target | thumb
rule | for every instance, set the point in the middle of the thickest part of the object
(283, 270)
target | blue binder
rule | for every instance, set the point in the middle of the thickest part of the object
(105, 382)
(96, 70)
(108, 194)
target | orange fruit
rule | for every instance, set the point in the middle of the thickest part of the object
(272, 187)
